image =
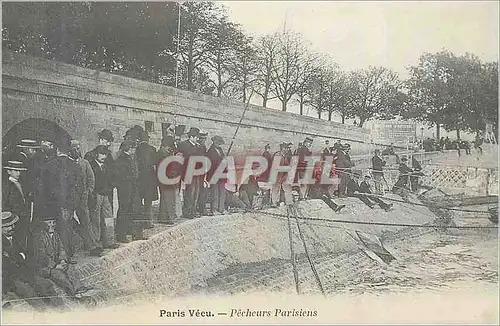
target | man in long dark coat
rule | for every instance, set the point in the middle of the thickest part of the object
(59, 192)
(269, 158)
(129, 218)
(82, 210)
(99, 205)
(148, 182)
(167, 213)
(303, 152)
(204, 191)
(190, 148)
(105, 139)
(217, 189)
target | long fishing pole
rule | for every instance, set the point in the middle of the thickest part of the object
(239, 123)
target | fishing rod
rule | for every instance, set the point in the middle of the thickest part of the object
(239, 123)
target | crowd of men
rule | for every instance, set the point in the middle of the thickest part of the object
(51, 193)
(445, 143)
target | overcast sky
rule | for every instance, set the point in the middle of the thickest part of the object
(391, 33)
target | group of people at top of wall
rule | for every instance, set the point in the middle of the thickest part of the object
(51, 193)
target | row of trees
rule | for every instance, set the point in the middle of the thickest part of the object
(214, 56)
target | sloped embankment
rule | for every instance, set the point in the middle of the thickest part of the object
(182, 259)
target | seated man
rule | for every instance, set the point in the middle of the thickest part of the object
(365, 188)
(247, 192)
(353, 190)
(318, 191)
(49, 257)
(16, 274)
(232, 199)
(401, 186)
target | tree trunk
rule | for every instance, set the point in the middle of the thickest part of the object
(264, 101)
(438, 131)
(458, 133)
(319, 114)
(361, 122)
(301, 105)
(330, 115)
(343, 119)
(283, 105)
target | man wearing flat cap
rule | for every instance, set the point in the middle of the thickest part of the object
(216, 155)
(14, 200)
(190, 148)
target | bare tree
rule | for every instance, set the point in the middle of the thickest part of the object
(339, 94)
(375, 93)
(245, 68)
(319, 91)
(309, 67)
(267, 51)
(225, 39)
(287, 71)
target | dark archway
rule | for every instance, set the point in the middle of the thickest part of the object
(37, 129)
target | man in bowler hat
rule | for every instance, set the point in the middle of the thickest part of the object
(216, 155)
(190, 148)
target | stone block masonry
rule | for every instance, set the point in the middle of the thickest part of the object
(184, 258)
(85, 101)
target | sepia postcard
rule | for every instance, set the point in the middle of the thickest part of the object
(250, 162)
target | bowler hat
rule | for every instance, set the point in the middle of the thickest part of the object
(193, 132)
(9, 219)
(203, 135)
(15, 165)
(308, 139)
(28, 143)
(218, 140)
(106, 134)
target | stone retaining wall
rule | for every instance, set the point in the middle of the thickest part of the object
(180, 260)
(85, 101)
